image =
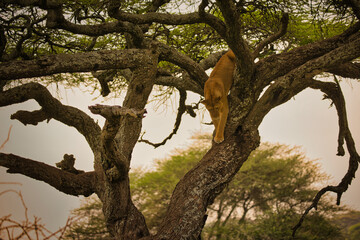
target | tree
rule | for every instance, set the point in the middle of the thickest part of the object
(90, 222)
(268, 195)
(255, 205)
(349, 222)
(281, 48)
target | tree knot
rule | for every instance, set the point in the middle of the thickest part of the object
(67, 164)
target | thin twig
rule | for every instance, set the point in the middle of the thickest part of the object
(7, 139)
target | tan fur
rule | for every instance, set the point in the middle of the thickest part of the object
(216, 91)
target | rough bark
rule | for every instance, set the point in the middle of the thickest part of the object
(70, 63)
(281, 75)
(69, 183)
(118, 139)
(52, 108)
(197, 190)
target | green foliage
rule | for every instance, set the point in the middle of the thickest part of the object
(151, 190)
(196, 41)
(279, 226)
(90, 223)
(309, 21)
(264, 201)
(267, 197)
(350, 224)
(354, 232)
(303, 30)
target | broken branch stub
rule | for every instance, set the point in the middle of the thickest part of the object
(116, 111)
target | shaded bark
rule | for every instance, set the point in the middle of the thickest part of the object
(118, 139)
(70, 63)
(52, 108)
(347, 70)
(69, 183)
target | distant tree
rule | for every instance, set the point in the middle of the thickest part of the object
(354, 232)
(265, 199)
(152, 190)
(90, 222)
(350, 224)
(279, 226)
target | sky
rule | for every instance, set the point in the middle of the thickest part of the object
(306, 121)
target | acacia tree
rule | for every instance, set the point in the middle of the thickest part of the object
(161, 42)
(263, 201)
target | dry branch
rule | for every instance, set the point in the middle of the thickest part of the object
(16, 229)
(7, 139)
(51, 108)
(333, 92)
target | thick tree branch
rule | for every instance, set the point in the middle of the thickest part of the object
(109, 112)
(113, 161)
(196, 72)
(235, 39)
(73, 184)
(79, 62)
(296, 80)
(33, 118)
(111, 155)
(333, 92)
(185, 82)
(347, 70)
(119, 136)
(355, 5)
(139, 89)
(51, 108)
(185, 219)
(274, 37)
(166, 18)
(231, 15)
(278, 65)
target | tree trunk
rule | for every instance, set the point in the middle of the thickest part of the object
(186, 215)
(119, 137)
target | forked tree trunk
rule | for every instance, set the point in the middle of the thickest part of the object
(118, 138)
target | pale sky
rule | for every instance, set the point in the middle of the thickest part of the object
(305, 121)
